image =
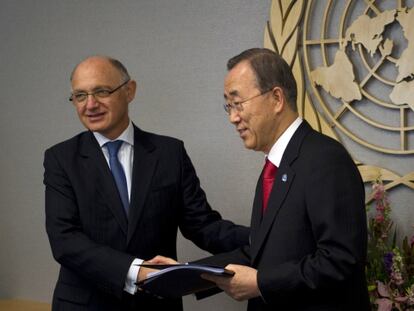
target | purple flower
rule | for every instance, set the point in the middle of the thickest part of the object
(388, 262)
(378, 189)
(379, 218)
(380, 206)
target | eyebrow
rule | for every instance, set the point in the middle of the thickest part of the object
(99, 87)
(232, 93)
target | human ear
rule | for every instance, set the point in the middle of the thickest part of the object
(278, 98)
(131, 90)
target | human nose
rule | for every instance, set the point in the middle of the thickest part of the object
(91, 101)
(234, 116)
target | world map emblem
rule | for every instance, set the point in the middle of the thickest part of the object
(366, 59)
(354, 65)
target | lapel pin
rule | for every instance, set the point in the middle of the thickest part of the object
(284, 177)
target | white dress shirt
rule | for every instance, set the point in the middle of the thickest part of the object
(126, 157)
(276, 153)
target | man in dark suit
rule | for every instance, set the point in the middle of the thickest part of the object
(308, 226)
(116, 195)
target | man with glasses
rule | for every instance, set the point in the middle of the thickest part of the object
(308, 226)
(116, 195)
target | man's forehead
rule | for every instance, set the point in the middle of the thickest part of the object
(95, 64)
(95, 68)
(238, 78)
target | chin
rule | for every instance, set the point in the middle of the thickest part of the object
(92, 127)
(95, 128)
(249, 146)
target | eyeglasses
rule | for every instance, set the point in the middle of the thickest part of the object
(238, 106)
(80, 97)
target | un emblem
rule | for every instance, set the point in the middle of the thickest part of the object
(354, 64)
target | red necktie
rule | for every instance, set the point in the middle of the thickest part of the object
(269, 173)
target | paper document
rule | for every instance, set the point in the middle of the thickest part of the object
(174, 281)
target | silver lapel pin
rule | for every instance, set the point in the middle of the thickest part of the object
(284, 177)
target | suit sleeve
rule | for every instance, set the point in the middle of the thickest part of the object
(101, 265)
(199, 223)
(334, 199)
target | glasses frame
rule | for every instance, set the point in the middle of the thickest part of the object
(238, 105)
(94, 93)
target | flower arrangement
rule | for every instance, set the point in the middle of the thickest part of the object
(390, 266)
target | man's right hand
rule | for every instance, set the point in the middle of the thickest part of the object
(161, 260)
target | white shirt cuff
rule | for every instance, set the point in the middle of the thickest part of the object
(132, 276)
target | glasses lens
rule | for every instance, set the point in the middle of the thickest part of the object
(80, 97)
(102, 93)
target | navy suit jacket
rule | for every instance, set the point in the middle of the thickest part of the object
(310, 246)
(93, 240)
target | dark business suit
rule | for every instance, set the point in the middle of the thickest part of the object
(310, 246)
(93, 240)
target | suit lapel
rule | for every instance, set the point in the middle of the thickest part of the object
(256, 218)
(96, 165)
(143, 169)
(284, 179)
(277, 196)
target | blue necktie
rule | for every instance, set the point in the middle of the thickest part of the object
(118, 172)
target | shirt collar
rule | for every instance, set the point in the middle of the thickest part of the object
(276, 153)
(126, 136)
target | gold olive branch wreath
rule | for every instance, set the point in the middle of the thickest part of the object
(282, 36)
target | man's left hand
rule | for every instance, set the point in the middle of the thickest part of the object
(243, 284)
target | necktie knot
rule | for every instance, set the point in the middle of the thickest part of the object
(113, 147)
(269, 170)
